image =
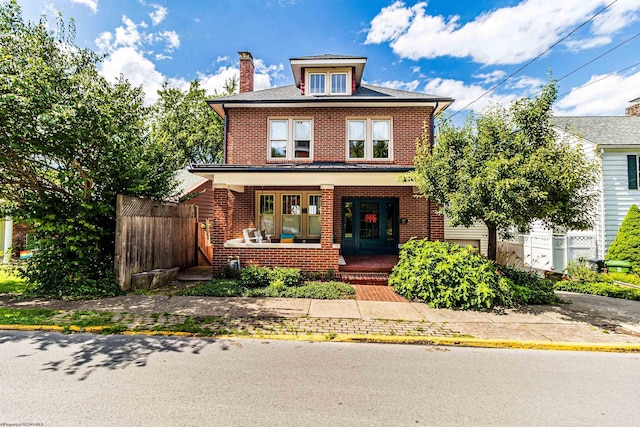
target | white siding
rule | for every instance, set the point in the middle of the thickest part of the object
(617, 196)
(477, 232)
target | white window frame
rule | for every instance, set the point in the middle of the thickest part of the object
(346, 83)
(328, 72)
(324, 92)
(368, 142)
(290, 147)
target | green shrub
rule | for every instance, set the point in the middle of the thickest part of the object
(446, 275)
(581, 271)
(624, 277)
(229, 272)
(599, 288)
(315, 290)
(528, 287)
(626, 246)
(288, 276)
(253, 276)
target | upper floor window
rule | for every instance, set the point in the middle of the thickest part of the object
(328, 81)
(369, 139)
(290, 139)
(316, 84)
(339, 83)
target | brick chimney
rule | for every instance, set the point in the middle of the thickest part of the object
(634, 109)
(246, 72)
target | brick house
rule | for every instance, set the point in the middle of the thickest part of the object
(319, 161)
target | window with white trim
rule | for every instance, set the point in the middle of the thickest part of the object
(328, 81)
(369, 139)
(284, 212)
(316, 83)
(290, 139)
(338, 83)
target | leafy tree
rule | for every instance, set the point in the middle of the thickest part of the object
(626, 246)
(186, 126)
(69, 142)
(506, 168)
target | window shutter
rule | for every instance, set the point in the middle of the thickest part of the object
(632, 171)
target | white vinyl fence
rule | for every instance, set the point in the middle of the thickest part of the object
(548, 253)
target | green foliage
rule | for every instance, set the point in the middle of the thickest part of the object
(447, 276)
(528, 287)
(186, 126)
(624, 277)
(27, 316)
(10, 281)
(626, 246)
(70, 142)
(288, 276)
(215, 288)
(506, 169)
(599, 288)
(315, 290)
(581, 271)
(256, 277)
(253, 276)
(229, 272)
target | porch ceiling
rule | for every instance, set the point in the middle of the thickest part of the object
(296, 178)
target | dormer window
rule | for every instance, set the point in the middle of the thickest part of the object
(316, 83)
(338, 83)
(328, 81)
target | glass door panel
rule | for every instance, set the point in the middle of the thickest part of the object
(291, 214)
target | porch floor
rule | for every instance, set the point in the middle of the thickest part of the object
(369, 263)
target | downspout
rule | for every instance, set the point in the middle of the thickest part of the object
(431, 142)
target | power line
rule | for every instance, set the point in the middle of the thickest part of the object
(600, 79)
(534, 59)
(598, 57)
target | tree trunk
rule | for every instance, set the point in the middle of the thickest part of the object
(492, 249)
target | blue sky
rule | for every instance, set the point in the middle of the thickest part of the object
(449, 48)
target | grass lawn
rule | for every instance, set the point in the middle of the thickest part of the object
(11, 283)
(233, 288)
(599, 288)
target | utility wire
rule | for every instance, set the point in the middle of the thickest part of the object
(600, 79)
(534, 59)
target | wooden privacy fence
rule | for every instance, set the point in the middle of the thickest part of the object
(153, 235)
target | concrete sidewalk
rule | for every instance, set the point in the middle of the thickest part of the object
(588, 319)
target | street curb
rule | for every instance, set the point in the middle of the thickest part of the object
(361, 338)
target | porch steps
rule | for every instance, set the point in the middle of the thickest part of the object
(365, 278)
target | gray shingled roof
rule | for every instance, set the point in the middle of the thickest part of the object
(187, 181)
(292, 94)
(603, 130)
(326, 56)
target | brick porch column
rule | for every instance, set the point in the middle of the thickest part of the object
(219, 230)
(326, 217)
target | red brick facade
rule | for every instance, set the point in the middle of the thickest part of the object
(248, 132)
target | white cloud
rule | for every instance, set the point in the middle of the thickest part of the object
(158, 15)
(532, 84)
(491, 77)
(91, 4)
(160, 57)
(400, 85)
(465, 94)
(214, 83)
(609, 96)
(415, 69)
(222, 59)
(172, 39)
(136, 68)
(510, 35)
(583, 44)
(127, 35)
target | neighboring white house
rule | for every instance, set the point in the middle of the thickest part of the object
(615, 142)
(476, 235)
(6, 235)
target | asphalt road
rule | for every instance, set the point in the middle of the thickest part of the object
(90, 380)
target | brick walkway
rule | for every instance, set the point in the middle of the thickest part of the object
(377, 293)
